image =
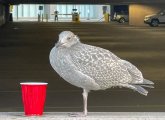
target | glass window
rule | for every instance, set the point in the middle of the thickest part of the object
(86, 11)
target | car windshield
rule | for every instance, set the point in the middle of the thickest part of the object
(162, 12)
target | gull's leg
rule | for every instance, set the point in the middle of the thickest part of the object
(85, 97)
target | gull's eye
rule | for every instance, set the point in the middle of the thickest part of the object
(69, 38)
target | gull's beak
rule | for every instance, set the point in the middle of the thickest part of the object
(59, 44)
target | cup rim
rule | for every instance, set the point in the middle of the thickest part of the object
(33, 83)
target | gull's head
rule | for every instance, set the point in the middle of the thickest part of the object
(67, 39)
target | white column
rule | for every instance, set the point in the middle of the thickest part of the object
(20, 10)
(25, 10)
(32, 11)
(51, 10)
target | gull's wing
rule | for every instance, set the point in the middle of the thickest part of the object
(137, 77)
(100, 64)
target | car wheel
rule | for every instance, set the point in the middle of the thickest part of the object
(154, 23)
(122, 20)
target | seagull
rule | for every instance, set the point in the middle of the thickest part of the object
(93, 68)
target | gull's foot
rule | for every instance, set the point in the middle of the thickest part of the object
(76, 114)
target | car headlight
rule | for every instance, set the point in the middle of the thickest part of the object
(147, 18)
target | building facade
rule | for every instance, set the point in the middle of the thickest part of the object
(31, 11)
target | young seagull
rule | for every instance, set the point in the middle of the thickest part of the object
(93, 68)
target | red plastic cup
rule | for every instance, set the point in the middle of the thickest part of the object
(33, 96)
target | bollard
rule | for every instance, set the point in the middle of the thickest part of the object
(42, 17)
(46, 17)
(39, 18)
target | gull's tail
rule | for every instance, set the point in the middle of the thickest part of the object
(139, 87)
(136, 84)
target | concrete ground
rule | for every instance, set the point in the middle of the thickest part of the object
(24, 56)
(91, 116)
(52, 20)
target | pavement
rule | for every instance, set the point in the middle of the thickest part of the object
(59, 20)
(24, 57)
(90, 116)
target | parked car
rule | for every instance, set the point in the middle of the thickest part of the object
(121, 17)
(155, 19)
